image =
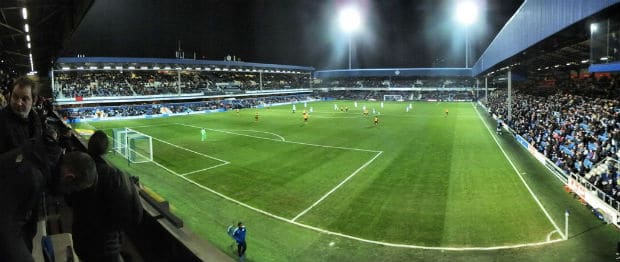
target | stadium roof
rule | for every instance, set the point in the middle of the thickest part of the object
(73, 62)
(50, 22)
(401, 72)
(535, 38)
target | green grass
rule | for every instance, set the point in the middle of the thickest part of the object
(417, 179)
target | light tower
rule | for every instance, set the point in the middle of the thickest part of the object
(466, 14)
(350, 21)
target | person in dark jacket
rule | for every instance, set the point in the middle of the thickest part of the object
(101, 212)
(98, 145)
(239, 236)
(26, 174)
(18, 121)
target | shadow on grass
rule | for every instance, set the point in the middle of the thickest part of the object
(587, 230)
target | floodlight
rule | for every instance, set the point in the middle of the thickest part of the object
(26, 28)
(466, 13)
(25, 13)
(593, 27)
(349, 19)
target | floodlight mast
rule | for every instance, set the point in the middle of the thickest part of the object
(350, 21)
(466, 15)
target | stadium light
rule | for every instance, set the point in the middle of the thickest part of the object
(25, 13)
(350, 21)
(593, 28)
(466, 14)
(26, 28)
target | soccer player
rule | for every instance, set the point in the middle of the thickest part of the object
(446, 113)
(311, 110)
(365, 111)
(305, 117)
(381, 104)
(256, 117)
(376, 120)
(355, 104)
(294, 109)
(203, 135)
(346, 109)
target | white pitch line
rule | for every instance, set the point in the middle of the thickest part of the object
(204, 169)
(257, 131)
(336, 187)
(291, 142)
(550, 234)
(320, 230)
(189, 150)
(519, 174)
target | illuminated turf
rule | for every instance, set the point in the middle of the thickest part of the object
(419, 178)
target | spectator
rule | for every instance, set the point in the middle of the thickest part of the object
(26, 173)
(102, 211)
(2, 101)
(19, 121)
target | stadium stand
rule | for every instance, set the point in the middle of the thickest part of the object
(573, 122)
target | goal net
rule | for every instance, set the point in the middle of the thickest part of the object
(133, 145)
(398, 98)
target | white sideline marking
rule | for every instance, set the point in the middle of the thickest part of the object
(336, 187)
(519, 174)
(248, 130)
(204, 169)
(320, 230)
(291, 142)
(559, 177)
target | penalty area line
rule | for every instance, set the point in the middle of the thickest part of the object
(336, 187)
(204, 169)
(364, 240)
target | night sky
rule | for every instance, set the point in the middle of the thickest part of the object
(395, 33)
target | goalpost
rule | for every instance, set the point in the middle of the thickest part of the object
(398, 98)
(133, 145)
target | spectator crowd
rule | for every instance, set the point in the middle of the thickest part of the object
(168, 108)
(573, 122)
(71, 84)
(37, 160)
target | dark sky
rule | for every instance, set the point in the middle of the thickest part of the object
(396, 33)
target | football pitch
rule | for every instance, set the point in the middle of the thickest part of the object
(419, 185)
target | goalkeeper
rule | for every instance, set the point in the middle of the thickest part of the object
(203, 135)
